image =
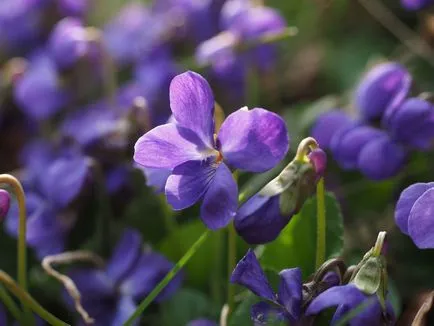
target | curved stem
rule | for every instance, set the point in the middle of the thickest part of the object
(321, 224)
(10, 305)
(169, 276)
(304, 147)
(29, 301)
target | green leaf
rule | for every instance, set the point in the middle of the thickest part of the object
(199, 268)
(296, 245)
(187, 305)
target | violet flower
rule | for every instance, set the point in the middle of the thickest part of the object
(51, 182)
(327, 125)
(110, 295)
(416, 4)
(39, 92)
(252, 140)
(382, 90)
(414, 214)
(346, 298)
(285, 305)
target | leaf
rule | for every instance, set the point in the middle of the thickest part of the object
(187, 305)
(199, 268)
(296, 245)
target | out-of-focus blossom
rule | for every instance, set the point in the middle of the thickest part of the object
(5, 202)
(74, 8)
(414, 214)
(51, 184)
(413, 124)
(39, 91)
(252, 140)
(202, 322)
(382, 90)
(70, 42)
(110, 295)
(416, 4)
(327, 125)
(285, 305)
(231, 10)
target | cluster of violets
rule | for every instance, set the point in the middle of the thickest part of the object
(389, 125)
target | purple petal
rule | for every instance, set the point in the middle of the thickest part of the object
(156, 178)
(167, 146)
(421, 220)
(259, 220)
(249, 274)
(381, 158)
(253, 140)
(150, 270)
(192, 104)
(290, 292)
(327, 125)
(188, 182)
(262, 313)
(319, 160)
(406, 201)
(220, 202)
(125, 255)
(93, 284)
(64, 178)
(124, 309)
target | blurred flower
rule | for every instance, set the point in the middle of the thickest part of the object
(252, 140)
(414, 214)
(75, 8)
(382, 90)
(231, 10)
(286, 305)
(202, 322)
(51, 184)
(416, 4)
(413, 124)
(5, 202)
(70, 42)
(265, 215)
(110, 295)
(39, 91)
(327, 124)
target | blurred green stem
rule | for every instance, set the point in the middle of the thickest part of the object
(321, 224)
(27, 299)
(216, 280)
(232, 261)
(163, 283)
(22, 244)
(10, 305)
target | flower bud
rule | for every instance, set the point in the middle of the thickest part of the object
(382, 89)
(5, 202)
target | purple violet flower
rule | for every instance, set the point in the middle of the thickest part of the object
(382, 90)
(110, 295)
(416, 4)
(327, 125)
(39, 92)
(285, 305)
(252, 140)
(414, 214)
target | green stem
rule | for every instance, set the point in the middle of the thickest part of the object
(163, 283)
(10, 305)
(29, 301)
(216, 280)
(232, 261)
(321, 224)
(22, 244)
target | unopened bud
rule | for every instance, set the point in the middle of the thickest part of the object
(5, 201)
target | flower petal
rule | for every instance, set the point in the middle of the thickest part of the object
(92, 283)
(156, 178)
(220, 202)
(421, 220)
(327, 125)
(290, 292)
(167, 146)
(249, 273)
(192, 104)
(188, 182)
(125, 255)
(124, 309)
(406, 201)
(253, 140)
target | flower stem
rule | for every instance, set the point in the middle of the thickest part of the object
(29, 301)
(22, 244)
(321, 224)
(232, 261)
(10, 305)
(169, 276)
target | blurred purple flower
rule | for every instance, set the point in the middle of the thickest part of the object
(413, 124)
(110, 295)
(382, 90)
(202, 322)
(327, 125)
(70, 42)
(74, 8)
(39, 92)
(252, 140)
(346, 298)
(51, 183)
(284, 305)
(414, 214)
(5, 202)
(416, 4)
(231, 10)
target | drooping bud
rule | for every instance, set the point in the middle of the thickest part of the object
(5, 202)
